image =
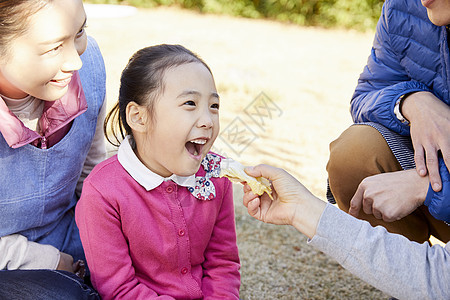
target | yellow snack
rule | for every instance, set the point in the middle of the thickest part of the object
(235, 172)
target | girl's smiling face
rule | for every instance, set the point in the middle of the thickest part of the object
(41, 61)
(185, 122)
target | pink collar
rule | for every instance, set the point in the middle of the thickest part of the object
(57, 114)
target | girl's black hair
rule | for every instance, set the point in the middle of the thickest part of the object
(142, 82)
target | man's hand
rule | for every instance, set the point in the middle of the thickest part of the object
(430, 127)
(390, 196)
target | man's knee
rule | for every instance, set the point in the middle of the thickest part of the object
(356, 147)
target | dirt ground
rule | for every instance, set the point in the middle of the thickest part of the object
(285, 93)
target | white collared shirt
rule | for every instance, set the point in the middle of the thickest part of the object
(143, 175)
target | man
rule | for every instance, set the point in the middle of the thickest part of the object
(402, 115)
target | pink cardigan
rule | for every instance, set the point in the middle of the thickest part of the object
(142, 244)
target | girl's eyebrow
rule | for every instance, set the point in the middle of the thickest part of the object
(62, 38)
(196, 93)
(215, 95)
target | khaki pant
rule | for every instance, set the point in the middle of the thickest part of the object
(359, 152)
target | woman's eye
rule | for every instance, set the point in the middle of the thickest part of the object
(54, 49)
(81, 32)
(215, 106)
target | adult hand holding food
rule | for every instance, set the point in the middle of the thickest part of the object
(293, 204)
(365, 251)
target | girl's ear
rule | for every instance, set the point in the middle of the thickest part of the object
(137, 117)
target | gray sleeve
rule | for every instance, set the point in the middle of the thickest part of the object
(16, 252)
(389, 262)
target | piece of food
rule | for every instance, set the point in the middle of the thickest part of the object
(235, 172)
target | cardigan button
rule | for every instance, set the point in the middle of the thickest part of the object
(184, 271)
(169, 189)
(181, 232)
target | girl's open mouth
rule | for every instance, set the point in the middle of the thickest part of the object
(195, 147)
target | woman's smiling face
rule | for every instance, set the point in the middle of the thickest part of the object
(41, 61)
(438, 11)
(185, 123)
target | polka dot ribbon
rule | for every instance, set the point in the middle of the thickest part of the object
(204, 187)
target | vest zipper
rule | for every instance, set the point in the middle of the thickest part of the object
(44, 142)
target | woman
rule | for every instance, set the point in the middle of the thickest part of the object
(51, 137)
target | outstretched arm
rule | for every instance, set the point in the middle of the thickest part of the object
(390, 262)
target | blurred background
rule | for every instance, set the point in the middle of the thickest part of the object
(357, 14)
(286, 71)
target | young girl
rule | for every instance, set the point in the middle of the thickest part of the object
(155, 219)
(49, 109)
